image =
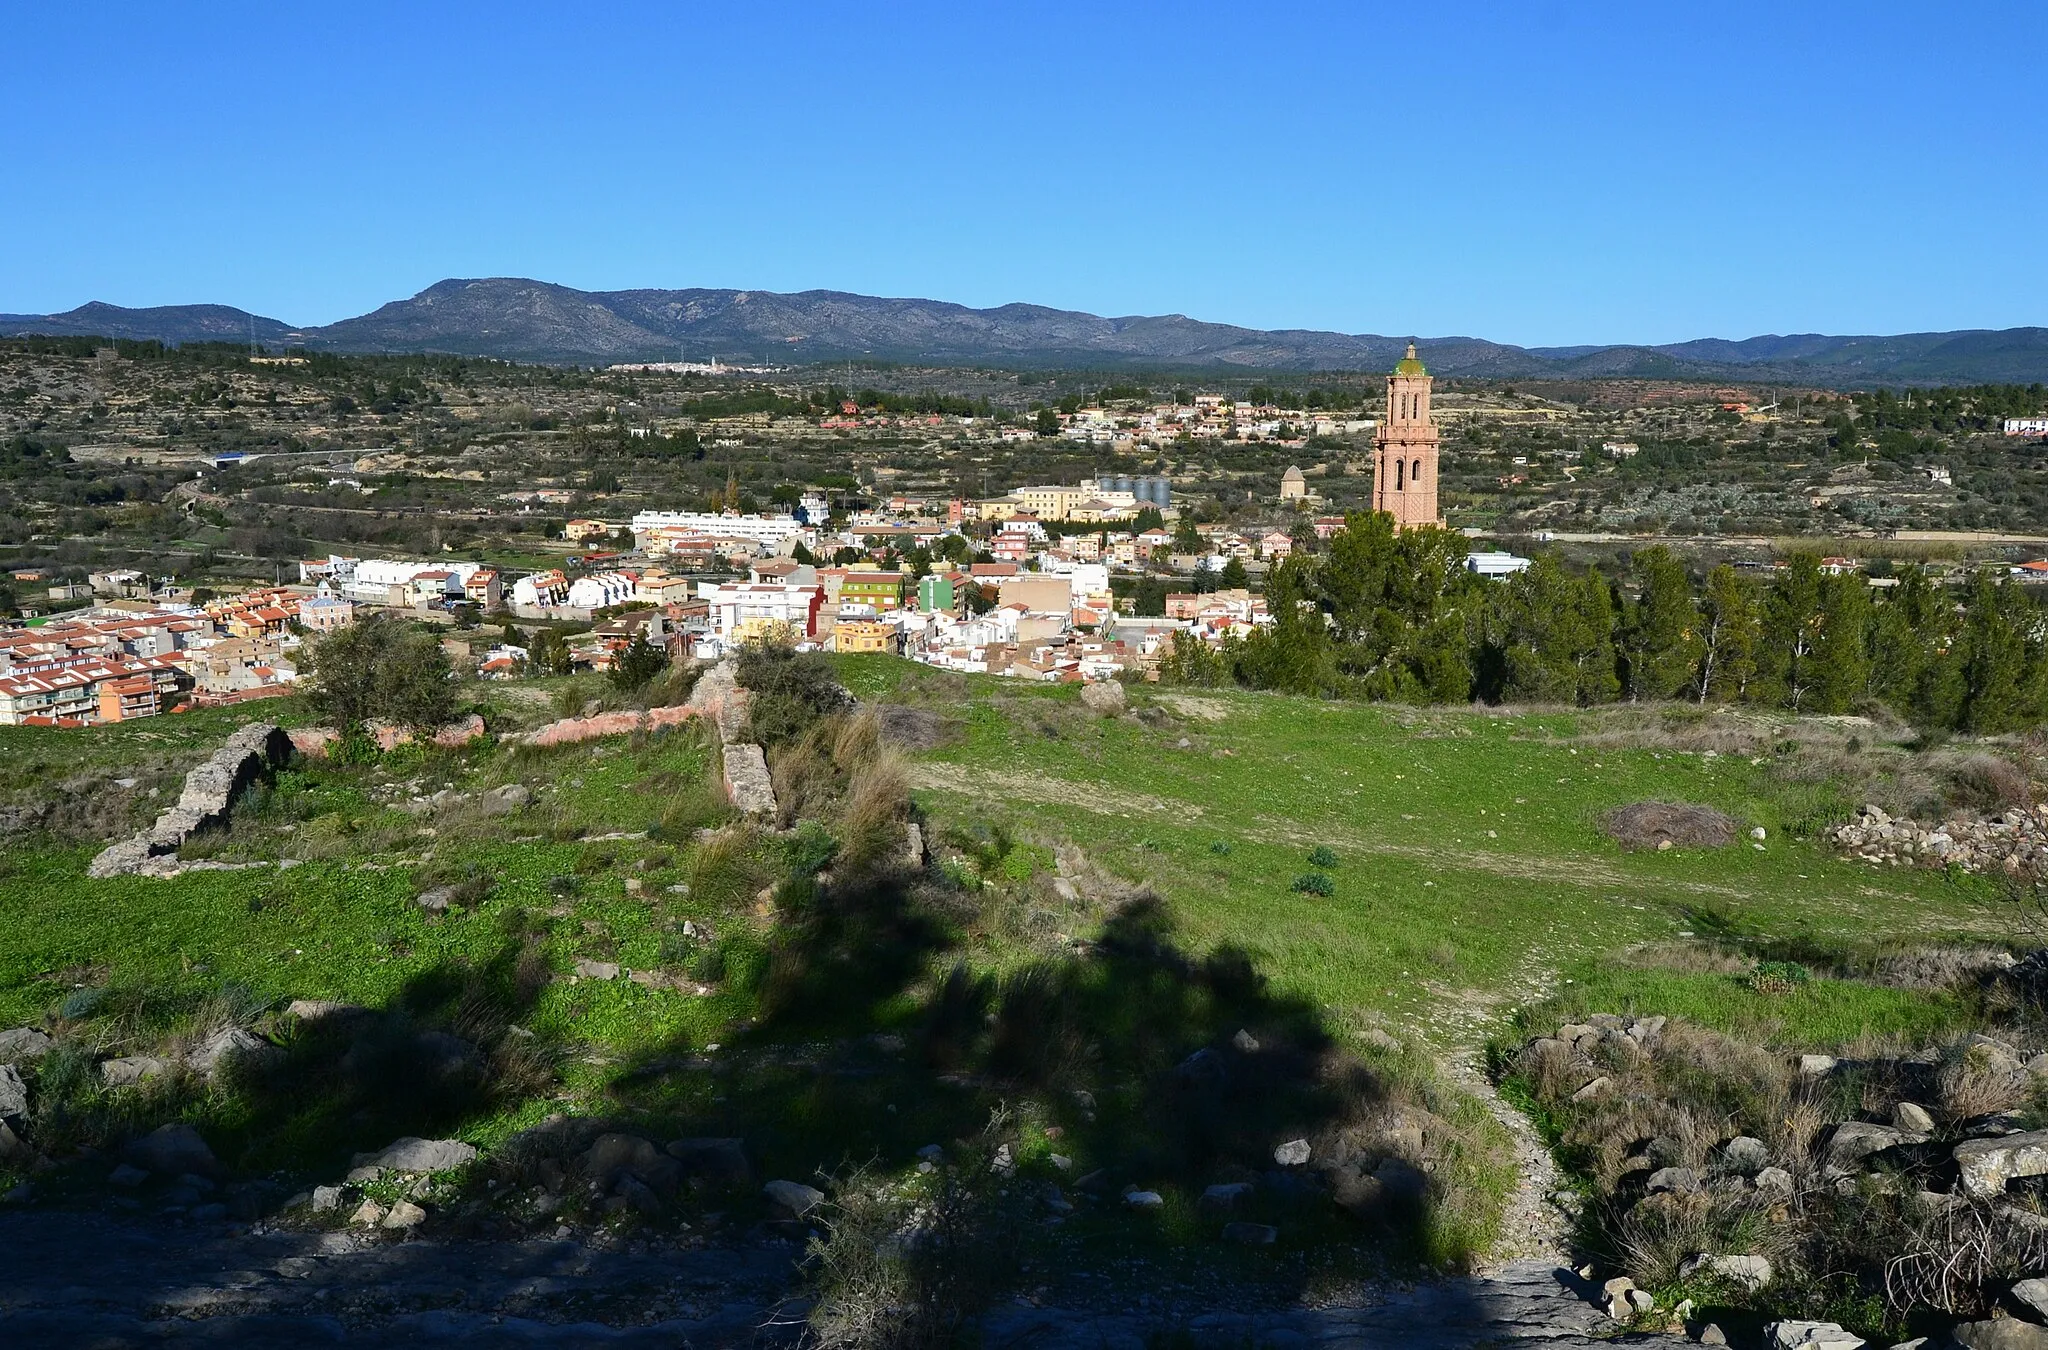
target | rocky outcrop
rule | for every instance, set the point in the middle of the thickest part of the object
(209, 793)
(747, 781)
(2017, 839)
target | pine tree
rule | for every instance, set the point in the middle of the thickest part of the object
(1791, 622)
(1598, 681)
(1660, 638)
(1728, 637)
(1993, 658)
(1841, 647)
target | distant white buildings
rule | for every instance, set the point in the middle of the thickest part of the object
(601, 590)
(770, 532)
(2026, 426)
(1494, 566)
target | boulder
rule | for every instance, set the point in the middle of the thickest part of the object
(2004, 1333)
(596, 970)
(326, 1198)
(23, 1045)
(11, 1144)
(1679, 1179)
(1797, 1335)
(504, 800)
(368, 1214)
(1817, 1064)
(1105, 699)
(13, 1093)
(1774, 1181)
(793, 1197)
(1988, 1164)
(318, 1009)
(1751, 1272)
(1855, 1140)
(127, 1177)
(1744, 1156)
(173, 1149)
(411, 1154)
(720, 1162)
(1251, 1234)
(129, 1070)
(1293, 1153)
(2033, 1296)
(1226, 1196)
(640, 1197)
(1912, 1118)
(228, 1046)
(404, 1214)
(1594, 1089)
(1401, 1180)
(1144, 1199)
(612, 1158)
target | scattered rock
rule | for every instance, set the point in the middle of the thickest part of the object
(2004, 1333)
(1774, 1181)
(1225, 1196)
(720, 1162)
(1912, 1118)
(1816, 1064)
(11, 1144)
(127, 1176)
(1144, 1199)
(1593, 1089)
(172, 1149)
(23, 1044)
(612, 1158)
(315, 1009)
(368, 1215)
(13, 1093)
(507, 799)
(129, 1070)
(437, 900)
(2033, 1295)
(1988, 1164)
(1711, 1334)
(1794, 1335)
(596, 970)
(1744, 1156)
(1244, 1042)
(1105, 699)
(326, 1199)
(417, 1155)
(1293, 1153)
(229, 1046)
(1641, 1300)
(1855, 1140)
(1679, 1179)
(1751, 1272)
(404, 1214)
(1251, 1234)
(793, 1197)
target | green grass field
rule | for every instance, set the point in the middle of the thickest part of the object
(1468, 881)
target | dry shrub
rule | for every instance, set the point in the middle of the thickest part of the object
(1939, 968)
(1973, 1081)
(1654, 1238)
(1680, 824)
(1553, 1069)
(1949, 1253)
(856, 741)
(724, 871)
(805, 778)
(877, 806)
(905, 728)
(1987, 783)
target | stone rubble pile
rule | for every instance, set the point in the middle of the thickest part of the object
(2017, 839)
(1933, 1162)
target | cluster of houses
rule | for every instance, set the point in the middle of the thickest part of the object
(136, 658)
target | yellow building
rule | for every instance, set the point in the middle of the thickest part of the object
(862, 635)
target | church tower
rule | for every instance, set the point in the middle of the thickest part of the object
(1405, 450)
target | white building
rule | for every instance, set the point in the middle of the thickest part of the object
(2026, 426)
(770, 531)
(542, 590)
(601, 590)
(1494, 566)
(745, 609)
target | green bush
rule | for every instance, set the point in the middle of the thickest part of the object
(1314, 883)
(1778, 977)
(1323, 856)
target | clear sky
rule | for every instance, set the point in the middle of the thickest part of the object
(1540, 173)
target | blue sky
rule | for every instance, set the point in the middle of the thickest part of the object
(1540, 173)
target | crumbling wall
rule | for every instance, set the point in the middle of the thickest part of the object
(209, 792)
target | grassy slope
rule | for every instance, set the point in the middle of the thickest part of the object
(1473, 875)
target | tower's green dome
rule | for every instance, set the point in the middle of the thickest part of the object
(1410, 364)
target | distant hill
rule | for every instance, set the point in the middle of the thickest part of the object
(524, 320)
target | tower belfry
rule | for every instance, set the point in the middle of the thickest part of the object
(1405, 449)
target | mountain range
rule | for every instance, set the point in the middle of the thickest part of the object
(522, 320)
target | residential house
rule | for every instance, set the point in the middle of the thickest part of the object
(602, 590)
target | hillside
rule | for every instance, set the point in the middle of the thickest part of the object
(518, 319)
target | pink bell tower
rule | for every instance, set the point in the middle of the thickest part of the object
(1405, 449)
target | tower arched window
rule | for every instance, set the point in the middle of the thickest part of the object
(1399, 482)
(1415, 474)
